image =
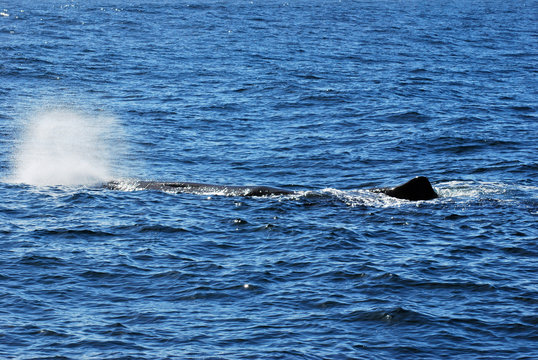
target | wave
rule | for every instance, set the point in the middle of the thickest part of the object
(470, 189)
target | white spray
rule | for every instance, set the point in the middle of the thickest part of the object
(65, 147)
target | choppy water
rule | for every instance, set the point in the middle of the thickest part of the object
(325, 97)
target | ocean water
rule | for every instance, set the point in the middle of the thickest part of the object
(328, 98)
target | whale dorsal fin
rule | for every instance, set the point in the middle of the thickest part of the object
(418, 188)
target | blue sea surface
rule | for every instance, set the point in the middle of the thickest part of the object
(327, 98)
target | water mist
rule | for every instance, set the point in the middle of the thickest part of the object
(66, 147)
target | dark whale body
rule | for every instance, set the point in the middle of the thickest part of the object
(415, 189)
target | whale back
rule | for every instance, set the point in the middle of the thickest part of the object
(198, 188)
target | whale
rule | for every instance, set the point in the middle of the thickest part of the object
(418, 188)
